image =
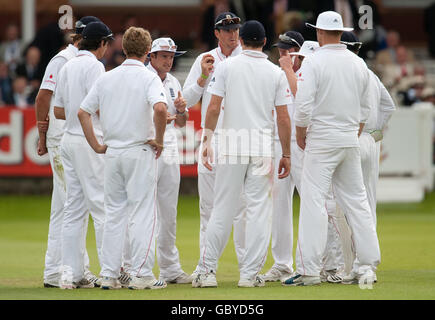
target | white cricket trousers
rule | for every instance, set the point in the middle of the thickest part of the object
(340, 167)
(53, 253)
(168, 185)
(254, 176)
(130, 201)
(84, 177)
(206, 191)
(282, 218)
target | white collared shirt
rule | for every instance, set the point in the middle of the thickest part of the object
(252, 87)
(332, 97)
(75, 81)
(192, 92)
(172, 87)
(125, 97)
(56, 126)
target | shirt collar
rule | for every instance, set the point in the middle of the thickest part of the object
(86, 53)
(333, 46)
(234, 53)
(73, 49)
(254, 54)
(132, 62)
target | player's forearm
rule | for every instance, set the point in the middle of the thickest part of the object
(160, 114)
(361, 127)
(42, 104)
(88, 129)
(292, 81)
(284, 133)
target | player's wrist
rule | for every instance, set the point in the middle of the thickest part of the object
(179, 113)
(286, 156)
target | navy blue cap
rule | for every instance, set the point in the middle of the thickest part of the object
(252, 30)
(81, 24)
(97, 30)
(227, 21)
(289, 40)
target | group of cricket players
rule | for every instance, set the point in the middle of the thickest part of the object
(314, 122)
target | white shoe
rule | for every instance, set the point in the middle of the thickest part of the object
(66, 278)
(300, 280)
(84, 284)
(331, 276)
(275, 275)
(139, 283)
(124, 279)
(182, 278)
(205, 280)
(369, 277)
(92, 278)
(258, 281)
(108, 283)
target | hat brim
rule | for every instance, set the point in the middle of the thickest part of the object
(284, 46)
(229, 27)
(177, 53)
(328, 29)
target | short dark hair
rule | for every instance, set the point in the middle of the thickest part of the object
(91, 44)
(254, 43)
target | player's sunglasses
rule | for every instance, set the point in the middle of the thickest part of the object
(355, 45)
(165, 47)
(227, 21)
(80, 24)
(288, 40)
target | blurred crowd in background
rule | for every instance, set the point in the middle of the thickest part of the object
(409, 77)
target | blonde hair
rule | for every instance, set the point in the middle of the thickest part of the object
(136, 42)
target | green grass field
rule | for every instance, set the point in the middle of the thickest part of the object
(406, 235)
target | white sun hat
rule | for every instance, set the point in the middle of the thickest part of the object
(329, 20)
(165, 44)
(308, 48)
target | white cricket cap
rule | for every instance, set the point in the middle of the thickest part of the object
(165, 44)
(308, 48)
(329, 20)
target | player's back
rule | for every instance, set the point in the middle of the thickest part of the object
(126, 98)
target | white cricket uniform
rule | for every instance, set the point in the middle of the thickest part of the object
(382, 107)
(252, 86)
(168, 185)
(192, 92)
(125, 97)
(83, 168)
(331, 101)
(53, 138)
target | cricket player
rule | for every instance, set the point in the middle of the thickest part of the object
(226, 30)
(126, 97)
(50, 134)
(370, 140)
(253, 88)
(83, 168)
(331, 110)
(163, 51)
(282, 195)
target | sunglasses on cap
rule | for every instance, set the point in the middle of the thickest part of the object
(80, 24)
(227, 21)
(286, 39)
(355, 45)
(166, 47)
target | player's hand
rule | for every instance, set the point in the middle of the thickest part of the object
(42, 148)
(43, 125)
(207, 62)
(101, 148)
(286, 63)
(157, 147)
(170, 117)
(207, 155)
(284, 168)
(301, 141)
(180, 103)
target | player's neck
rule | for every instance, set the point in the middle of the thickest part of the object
(226, 51)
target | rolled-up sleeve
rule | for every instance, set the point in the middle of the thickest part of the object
(365, 97)
(305, 95)
(386, 108)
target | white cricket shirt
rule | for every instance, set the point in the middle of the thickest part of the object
(56, 126)
(332, 97)
(172, 87)
(252, 86)
(125, 97)
(192, 92)
(382, 105)
(75, 81)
